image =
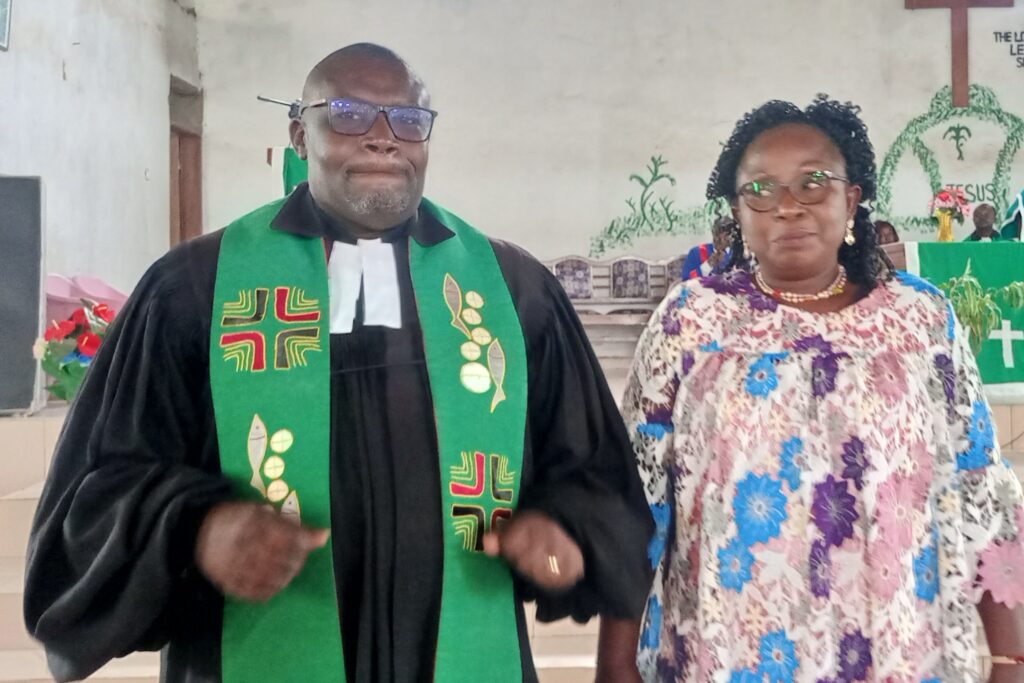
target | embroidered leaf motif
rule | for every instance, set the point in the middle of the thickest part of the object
(496, 365)
(453, 298)
(290, 508)
(257, 450)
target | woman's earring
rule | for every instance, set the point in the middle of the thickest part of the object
(751, 256)
(850, 238)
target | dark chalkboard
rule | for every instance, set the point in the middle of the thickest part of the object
(21, 301)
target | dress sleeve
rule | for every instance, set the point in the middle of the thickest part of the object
(990, 495)
(134, 471)
(648, 407)
(583, 472)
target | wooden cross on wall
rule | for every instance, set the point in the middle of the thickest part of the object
(958, 24)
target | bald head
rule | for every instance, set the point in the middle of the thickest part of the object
(361, 61)
(984, 218)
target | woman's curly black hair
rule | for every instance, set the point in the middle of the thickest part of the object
(865, 262)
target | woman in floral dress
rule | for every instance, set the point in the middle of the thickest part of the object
(819, 457)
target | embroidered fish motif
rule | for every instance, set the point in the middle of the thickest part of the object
(290, 508)
(257, 449)
(453, 297)
(496, 365)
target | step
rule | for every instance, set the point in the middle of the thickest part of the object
(16, 512)
(29, 666)
(13, 635)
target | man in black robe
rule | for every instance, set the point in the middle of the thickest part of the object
(138, 536)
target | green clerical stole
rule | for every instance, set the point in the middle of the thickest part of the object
(270, 378)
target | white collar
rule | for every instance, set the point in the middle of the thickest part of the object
(369, 265)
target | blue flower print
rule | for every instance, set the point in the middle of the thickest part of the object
(762, 378)
(778, 657)
(760, 508)
(744, 676)
(650, 638)
(790, 471)
(684, 294)
(656, 430)
(734, 563)
(661, 513)
(713, 347)
(926, 574)
(950, 322)
(918, 283)
(981, 440)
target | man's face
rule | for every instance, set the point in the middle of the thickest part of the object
(372, 181)
(984, 218)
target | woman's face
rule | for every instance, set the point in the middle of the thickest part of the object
(795, 241)
(886, 234)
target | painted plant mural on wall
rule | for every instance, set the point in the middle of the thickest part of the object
(653, 213)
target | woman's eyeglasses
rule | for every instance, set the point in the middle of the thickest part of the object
(812, 187)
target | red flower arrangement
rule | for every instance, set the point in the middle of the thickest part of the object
(68, 347)
(952, 202)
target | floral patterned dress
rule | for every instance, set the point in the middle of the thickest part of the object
(829, 495)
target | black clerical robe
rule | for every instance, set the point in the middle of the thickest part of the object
(111, 567)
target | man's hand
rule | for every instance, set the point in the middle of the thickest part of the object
(539, 550)
(251, 552)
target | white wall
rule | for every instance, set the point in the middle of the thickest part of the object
(547, 107)
(83, 103)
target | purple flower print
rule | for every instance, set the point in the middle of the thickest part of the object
(733, 282)
(853, 458)
(824, 369)
(854, 657)
(820, 569)
(834, 510)
(944, 364)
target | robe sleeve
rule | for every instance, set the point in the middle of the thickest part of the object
(134, 472)
(990, 498)
(584, 475)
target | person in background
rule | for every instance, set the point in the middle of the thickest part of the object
(704, 258)
(984, 225)
(1010, 229)
(886, 232)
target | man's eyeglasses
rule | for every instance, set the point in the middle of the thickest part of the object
(354, 117)
(812, 187)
